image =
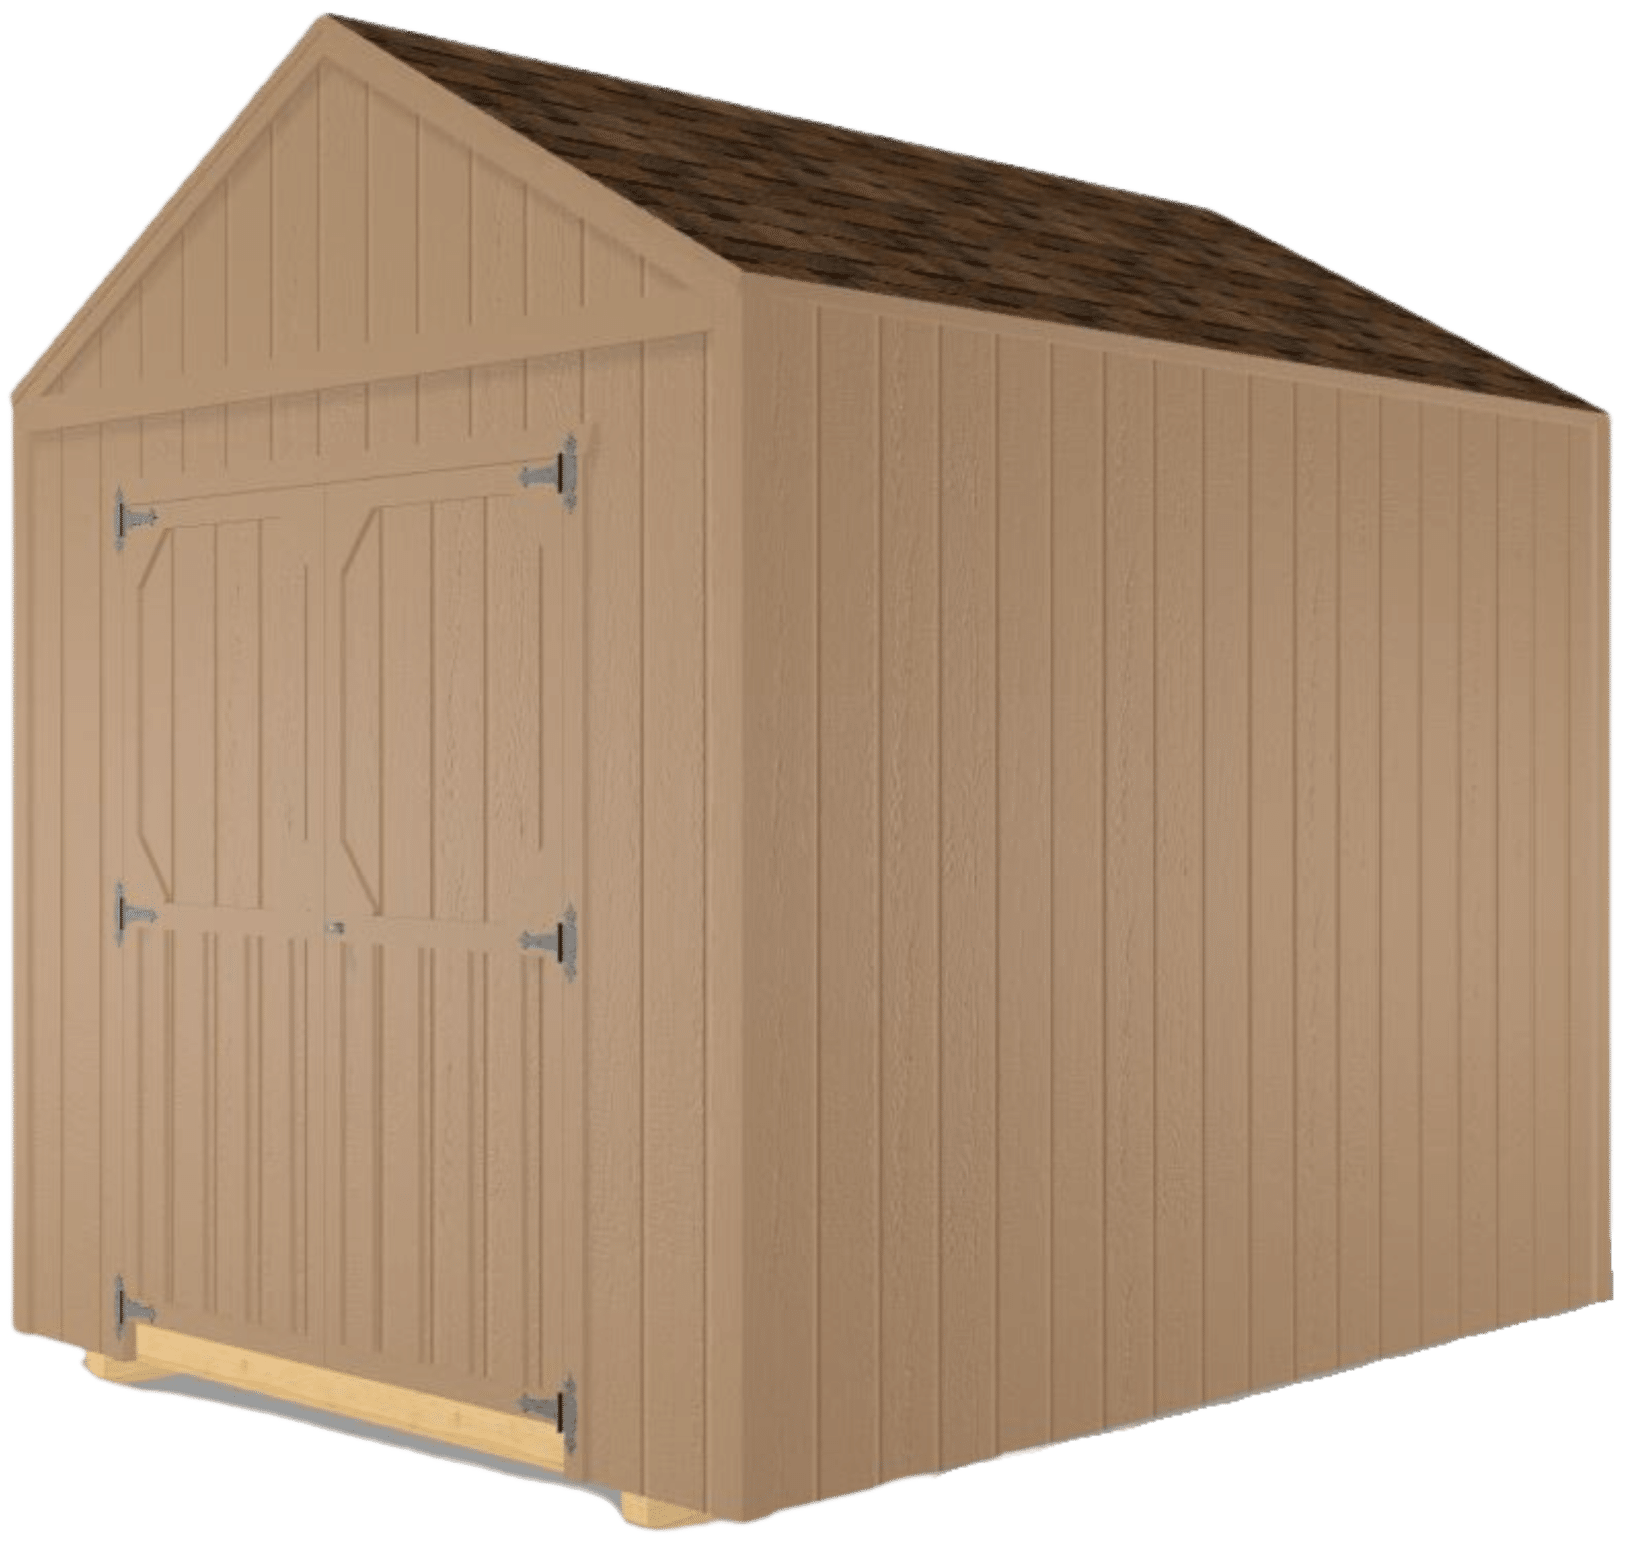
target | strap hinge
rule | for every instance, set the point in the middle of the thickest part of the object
(559, 1409)
(125, 914)
(559, 472)
(127, 1309)
(560, 942)
(126, 518)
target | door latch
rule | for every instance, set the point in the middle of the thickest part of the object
(560, 942)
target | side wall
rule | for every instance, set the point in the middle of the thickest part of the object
(1175, 879)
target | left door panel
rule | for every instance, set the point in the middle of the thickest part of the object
(223, 825)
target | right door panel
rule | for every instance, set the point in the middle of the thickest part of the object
(448, 837)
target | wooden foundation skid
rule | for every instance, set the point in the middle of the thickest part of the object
(160, 1352)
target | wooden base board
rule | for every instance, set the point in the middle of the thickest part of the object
(110, 1369)
(658, 1513)
(161, 1352)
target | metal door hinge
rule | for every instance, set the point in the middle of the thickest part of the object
(125, 519)
(125, 914)
(559, 472)
(127, 1309)
(560, 942)
(560, 1409)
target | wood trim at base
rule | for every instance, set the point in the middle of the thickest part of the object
(514, 1437)
(110, 1369)
(657, 1513)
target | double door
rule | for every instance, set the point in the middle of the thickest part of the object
(352, 788)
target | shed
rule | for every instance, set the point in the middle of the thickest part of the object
(744, 809)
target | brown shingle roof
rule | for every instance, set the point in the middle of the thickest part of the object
(803, 200)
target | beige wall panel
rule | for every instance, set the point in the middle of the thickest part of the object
(612, 273)
(1178, 880)
(1273, 827)
(1227, 839)
(232, 1020)
(1130, 979)
(674, 859)
(553, 255)
(162, 314)
(613, 902)
(1600, 524)
(509, 1180)
(1022, 928)
(84, 1295)
(280, 1283)
(205, 328)
(1440, 713)
(1077, 425)
(248, 281)
(1589, 1080)
(343, 180)
(146, 1247)
(1515, 975)
(445, 293)
(40, 1207)
(498, 211)
(1550, 1075)
(392, 259)
(909, 771)
(84, 371)
(342, 147)
(847, 812)
(459, 682)
(1359, 904)
(457, 1006)
(1399, 538)
(1480, 891)
(781, 905)
(191, 1207)
(1315, 737)
(23, 453)
(295, 426)
(723, 1402)
(966, 866)
(297, 236)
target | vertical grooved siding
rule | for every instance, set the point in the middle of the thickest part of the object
(370, 1175)
(1173, 894)
(349, 219)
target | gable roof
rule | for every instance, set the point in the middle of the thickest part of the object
(800, 200)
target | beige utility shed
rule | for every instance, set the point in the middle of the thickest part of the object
(744, 809)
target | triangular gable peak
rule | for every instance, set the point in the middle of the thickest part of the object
(356, 220)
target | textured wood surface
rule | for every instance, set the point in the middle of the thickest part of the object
(1188, 768)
